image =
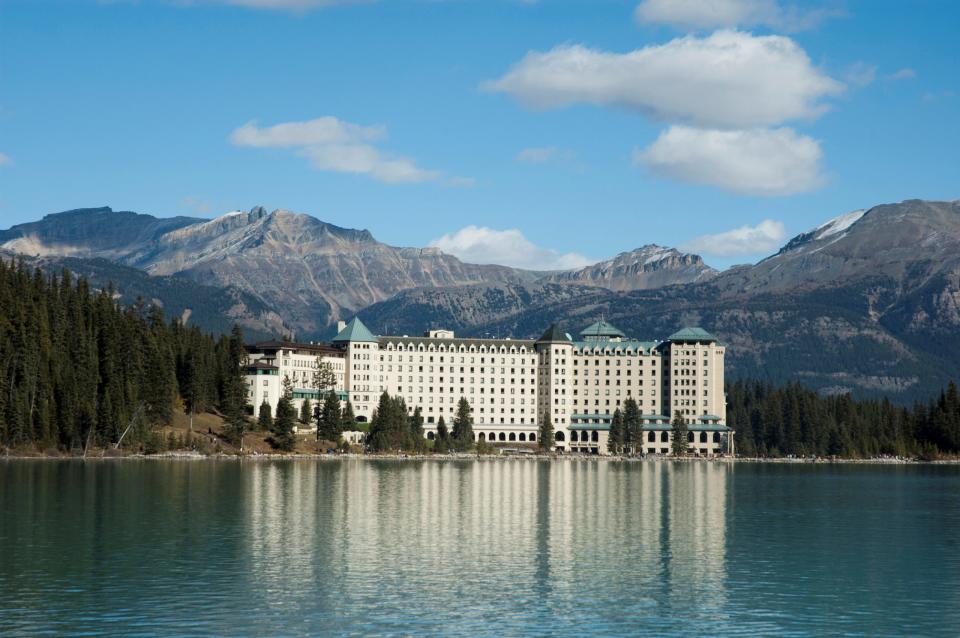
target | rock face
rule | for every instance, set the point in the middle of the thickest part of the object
(90, 232)
(645, 268)
(312, 273)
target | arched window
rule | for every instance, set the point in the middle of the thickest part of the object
(652, 437)
(503, 437)
(716, 437)
(533, 437)
(690, 437)
(574, 436)
(558, 436)
(664, 437)
(513, 437)
(430, 435)
(594, 436)
(703, 437)
(482, 437)
(523, 436)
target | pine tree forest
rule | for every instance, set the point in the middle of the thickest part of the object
(77, 369)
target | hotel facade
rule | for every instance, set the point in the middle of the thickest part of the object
(515, 385)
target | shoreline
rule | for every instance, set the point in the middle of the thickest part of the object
(197, 456)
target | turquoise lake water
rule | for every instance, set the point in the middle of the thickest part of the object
(498, 548)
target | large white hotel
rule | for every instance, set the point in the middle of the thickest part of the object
(514, 385)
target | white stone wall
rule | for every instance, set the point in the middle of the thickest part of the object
(296, 365)
(497, 377)
(695, 378)
(363, 377)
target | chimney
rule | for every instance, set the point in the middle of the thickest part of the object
(341, 325)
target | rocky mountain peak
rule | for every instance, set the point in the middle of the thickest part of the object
(650, 266)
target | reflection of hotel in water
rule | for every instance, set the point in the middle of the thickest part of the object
(514, 385)
(550, 524)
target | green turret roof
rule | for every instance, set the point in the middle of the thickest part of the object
(692, 334)
(554, 333)
(602, 329)
(355, 331)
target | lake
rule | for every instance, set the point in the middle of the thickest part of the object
(497, 547)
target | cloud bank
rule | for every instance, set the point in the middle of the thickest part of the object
(331, 144)
(728, 79)
(765, 237)
(761, 162)
(480, 245)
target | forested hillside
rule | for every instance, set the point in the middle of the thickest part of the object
(76, 368)
(795, 420)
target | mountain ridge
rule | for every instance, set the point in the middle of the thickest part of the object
(311, 271)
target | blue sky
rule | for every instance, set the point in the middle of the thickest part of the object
(542, 134)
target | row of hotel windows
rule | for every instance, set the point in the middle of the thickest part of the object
(334, 363)
(522, 437)
(463, 391)
(483, 360)
(455, 349)
(558, 377)
(492, 380)
(483, 370)
(456, 400)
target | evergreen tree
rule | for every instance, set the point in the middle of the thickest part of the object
(324, 378)
(632, 426)
(615, 439)
(331, 419)
(389, 428)
(462, 433)
(349, 421)
(680, 434)
(233, 402)
(441, 444)
(416, 430)
(265, 420)
(283, 436)
(545, 434)
(306, 412)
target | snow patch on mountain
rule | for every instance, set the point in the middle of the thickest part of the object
(838, 224)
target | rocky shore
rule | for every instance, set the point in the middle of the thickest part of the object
(99, 455)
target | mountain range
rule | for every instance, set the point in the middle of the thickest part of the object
(867, 302)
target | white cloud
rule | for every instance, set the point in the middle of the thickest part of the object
(861, 74)
(749, 162)
(5, 159)
(322, 130)
(728, 79)
(367, 160)
(903, 74)
(718, 14)
(479, 245)
(765, 237)
(539, 155)
(333, 145)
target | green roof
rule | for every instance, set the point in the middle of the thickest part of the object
(692, 334)
(602, 329)
(554, 333)
(355, 331)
